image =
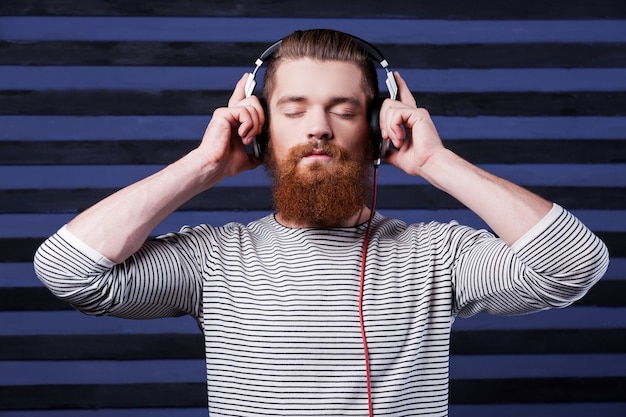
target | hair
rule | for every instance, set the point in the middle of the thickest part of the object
(322, 45)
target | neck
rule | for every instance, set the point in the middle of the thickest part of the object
(359, 217)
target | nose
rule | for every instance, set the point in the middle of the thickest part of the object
(318, 126)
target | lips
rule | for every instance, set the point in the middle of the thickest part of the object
(318, 152)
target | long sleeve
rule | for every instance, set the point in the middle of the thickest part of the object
(161, 280)
(552, 265)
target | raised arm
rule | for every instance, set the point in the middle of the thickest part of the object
(117, 226)
(508, 209)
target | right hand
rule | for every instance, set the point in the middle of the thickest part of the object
(231, 127)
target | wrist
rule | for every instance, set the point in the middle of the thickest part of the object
(442, 168)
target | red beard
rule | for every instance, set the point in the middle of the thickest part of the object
(319, 194)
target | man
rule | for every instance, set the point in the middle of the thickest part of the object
(297, 319)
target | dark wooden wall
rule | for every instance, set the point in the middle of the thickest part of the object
(95, 94)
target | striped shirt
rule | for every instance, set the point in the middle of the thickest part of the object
(279, 306)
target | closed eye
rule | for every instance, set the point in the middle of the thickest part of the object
(344, 114)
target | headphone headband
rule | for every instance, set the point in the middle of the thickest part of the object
(373, 52)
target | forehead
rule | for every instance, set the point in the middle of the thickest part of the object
(315, 79)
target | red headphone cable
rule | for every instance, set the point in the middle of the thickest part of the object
(370, 401)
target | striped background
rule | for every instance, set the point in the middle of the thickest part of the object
(94, 95)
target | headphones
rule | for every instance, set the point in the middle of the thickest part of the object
(381, 146)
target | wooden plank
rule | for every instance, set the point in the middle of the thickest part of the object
(241, 54)
(22, 249)
(159, 152)
(117, 346)
(259, 198)
(539, 390)
(462, 391)
(269, 29)
(446, 9)
(603, 294)
(191, 346)
(38, 128)
(454, 80)
(198, 102)
(90, 396)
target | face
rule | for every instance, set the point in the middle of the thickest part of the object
(319, 142)
(315, 102)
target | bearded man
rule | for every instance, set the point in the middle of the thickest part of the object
(324, 307)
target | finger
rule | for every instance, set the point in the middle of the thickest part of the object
(404, 92)
(251, 123)
(239, 92)
(391, 122)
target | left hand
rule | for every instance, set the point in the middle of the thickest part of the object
(410, 129)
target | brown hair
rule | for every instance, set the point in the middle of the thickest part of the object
(322, 45)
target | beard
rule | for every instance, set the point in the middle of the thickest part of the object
(319, 194)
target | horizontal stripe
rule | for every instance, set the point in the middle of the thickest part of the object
(101, 372)
(448, 9)
(37, 128)
(45, 224)
(103, 396)
(18, 274)
(549, 390)
(109, 176)
(193, 370)
(125, 347)
(191, 346)
(195, 102)
(537, 366)
(470, 391)
(568, 318)
(238, 54)
(16, 77)
(75, 323)
(617, 269)
(160, 152)
(118, 412)
(611, 409)
(399, 197)
(603, 294)
(194, 29)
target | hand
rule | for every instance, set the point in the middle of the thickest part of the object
(410, 129)
(230, 128)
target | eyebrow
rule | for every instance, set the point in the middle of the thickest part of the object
(333, 101)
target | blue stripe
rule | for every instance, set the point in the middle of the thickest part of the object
(21, 274)
(225, 78)
(399, 31)
(193, 370)
(567, 318)
(537, 366)
(18, 274)
(118, 412)
(37, 128)
(104, 176)
(45, 224)
(73, 322)
(101, 372)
